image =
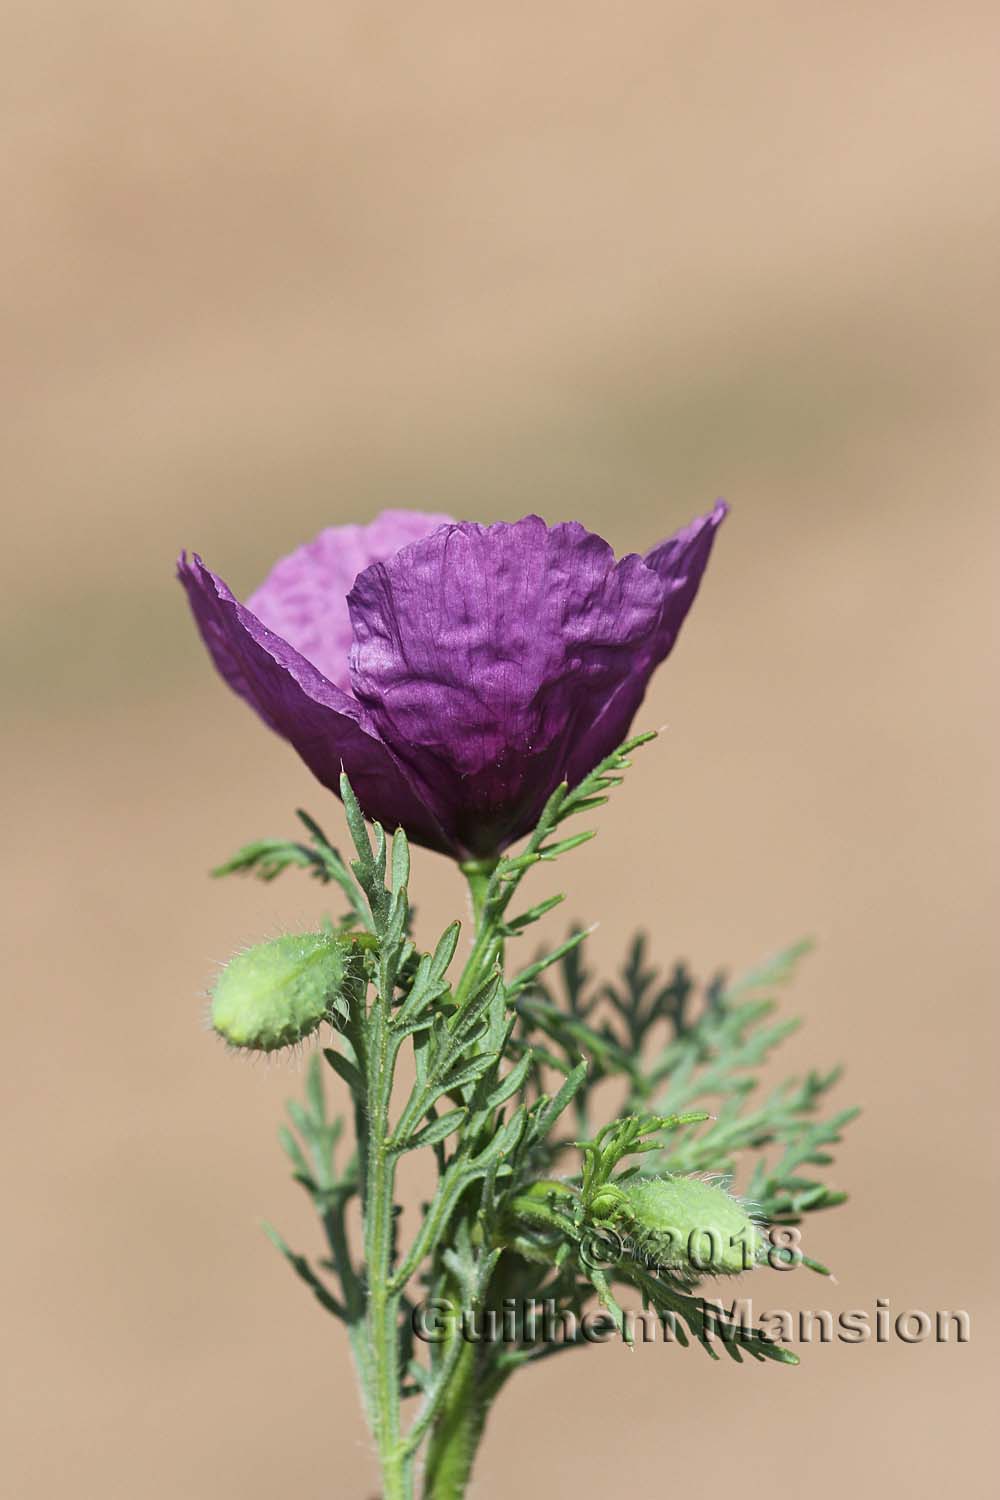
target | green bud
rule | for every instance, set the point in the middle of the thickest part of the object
(277, 993)
(608, 1203)
(691, 1226)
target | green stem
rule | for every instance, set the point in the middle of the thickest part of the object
(487, 944)
(457, 1431)
(458, 1426)
(383, 1303)
(477, 872)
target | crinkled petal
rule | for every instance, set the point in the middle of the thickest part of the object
(483, 655)
(304, 597)
(678, 563)
(328, 728)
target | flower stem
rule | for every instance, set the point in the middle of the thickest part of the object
(487, 945)
(477, 872)
(383, 1303)
(457, 1432)
(458, 1427)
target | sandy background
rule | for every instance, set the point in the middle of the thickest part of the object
(267, 269)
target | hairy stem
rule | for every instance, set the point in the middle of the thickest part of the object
(457, 1431)
(487, 945)
(383, 1303)
(458, 1426)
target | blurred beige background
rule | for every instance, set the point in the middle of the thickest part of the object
(268, 268)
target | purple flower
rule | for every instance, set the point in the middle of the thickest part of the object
(467, 671)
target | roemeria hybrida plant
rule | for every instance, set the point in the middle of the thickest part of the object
(472, 688)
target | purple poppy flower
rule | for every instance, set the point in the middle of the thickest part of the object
(456, 672)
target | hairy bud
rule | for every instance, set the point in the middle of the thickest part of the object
(277, 993)
(690, 1226)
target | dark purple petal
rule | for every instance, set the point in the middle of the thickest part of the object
(304, 597)
(327, 727)
(485, 654)
(678, 563)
